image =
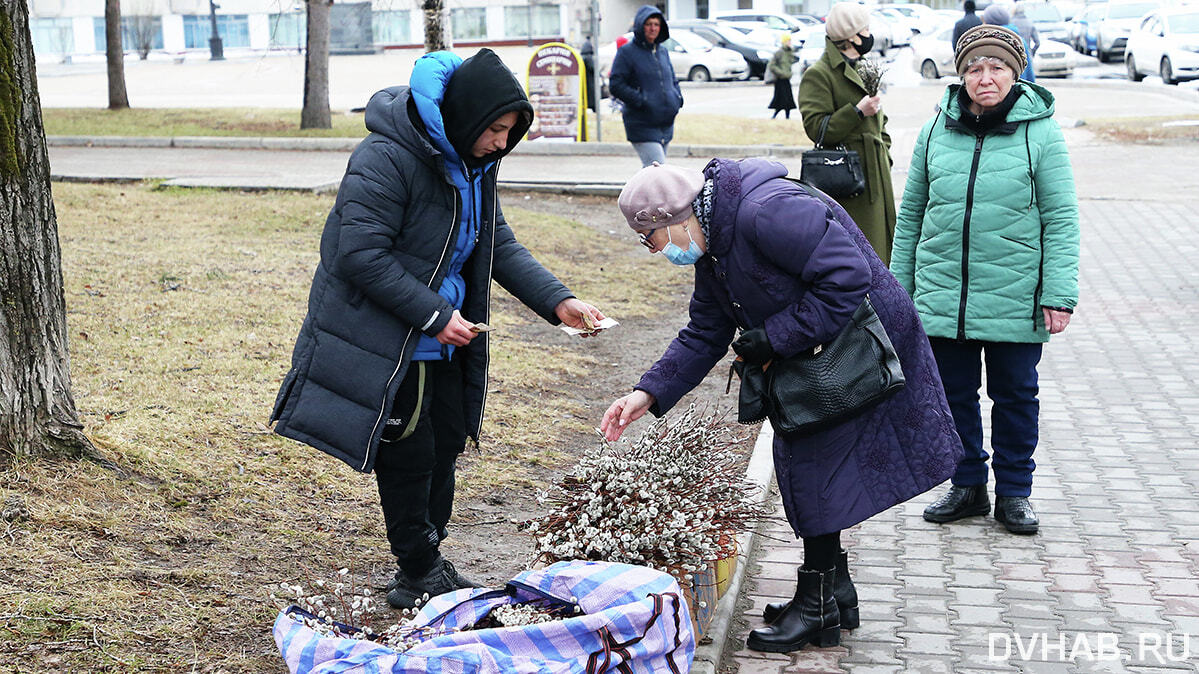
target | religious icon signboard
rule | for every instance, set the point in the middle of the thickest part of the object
(555, 86)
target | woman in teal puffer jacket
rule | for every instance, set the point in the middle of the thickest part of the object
(986, 243)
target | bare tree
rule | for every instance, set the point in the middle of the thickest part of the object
(115, 55)
(315, 113)
(434, 29)
(143, 29)
(37, 411)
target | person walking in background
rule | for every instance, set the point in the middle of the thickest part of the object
(987, 245)
(587, 52)
(642, 78)
(1027, 30)
(389, 370)
(969, 20)
(788, 268)
(997, 15)
(780, 67)
(831, 92)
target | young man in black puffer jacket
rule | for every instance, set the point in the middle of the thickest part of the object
(389, 370)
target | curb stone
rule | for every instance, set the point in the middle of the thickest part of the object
(348, 145)
(759, 472)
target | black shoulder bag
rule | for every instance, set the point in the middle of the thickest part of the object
(827, 384)
(837, 172)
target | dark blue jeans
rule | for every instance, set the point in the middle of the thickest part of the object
(1012, 388)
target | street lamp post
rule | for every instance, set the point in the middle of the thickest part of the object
(215, 47)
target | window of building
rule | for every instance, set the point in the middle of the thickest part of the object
(289, 30)
(234, 30)
(137, 33)
(392, 27)
(545, 21)
(701, 9)
(53, 36)
(469, 23)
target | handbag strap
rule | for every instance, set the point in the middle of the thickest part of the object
(823, 128)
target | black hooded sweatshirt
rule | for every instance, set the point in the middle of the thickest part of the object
(480, 91)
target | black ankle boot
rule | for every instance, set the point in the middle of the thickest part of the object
(811, 617)
(959, 502)
(843, 592)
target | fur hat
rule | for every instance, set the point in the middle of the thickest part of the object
(994, 41)
(845, 20)
(658, 196)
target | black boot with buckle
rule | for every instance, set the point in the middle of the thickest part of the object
(811, 617)
(844, 593)
(959, 502)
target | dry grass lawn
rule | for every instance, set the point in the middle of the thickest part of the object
(1149, 130)
(260, 122)
(182, 308)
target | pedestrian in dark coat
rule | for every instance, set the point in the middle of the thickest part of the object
(642, 78)
(832, 90)
(389, 372)
(969, 20)
(788, 270)
(780, 69)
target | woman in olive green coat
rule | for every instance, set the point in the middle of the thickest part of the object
(831, 89)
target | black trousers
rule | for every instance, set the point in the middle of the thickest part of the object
(416, 473)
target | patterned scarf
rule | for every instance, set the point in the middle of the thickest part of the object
(703, 206)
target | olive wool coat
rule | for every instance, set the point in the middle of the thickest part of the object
(988, 229)
(832, 87)
(784, 260)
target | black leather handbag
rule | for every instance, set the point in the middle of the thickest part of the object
(827, 384)
(837, 171)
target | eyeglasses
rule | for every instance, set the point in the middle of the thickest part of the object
(644, 239)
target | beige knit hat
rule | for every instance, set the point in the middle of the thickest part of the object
(845, 20)
(659, 196)
(995, 41)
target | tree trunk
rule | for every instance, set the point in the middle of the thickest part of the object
(115, 55)
(315, 114)
(434, 30)
(37, 412)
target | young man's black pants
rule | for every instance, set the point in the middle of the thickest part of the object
(416, 473)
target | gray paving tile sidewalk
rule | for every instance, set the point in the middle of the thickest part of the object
(1110, 584)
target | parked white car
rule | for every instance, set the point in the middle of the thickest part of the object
(1116, 23)
(924, 19)
(901, 27)
(932, 56)
(1166, 43)
(932, 53)
(691, 56)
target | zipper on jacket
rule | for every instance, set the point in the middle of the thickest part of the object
(495, 207)
(978, 147)
(408, 337)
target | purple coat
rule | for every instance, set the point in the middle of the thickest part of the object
(778, 257)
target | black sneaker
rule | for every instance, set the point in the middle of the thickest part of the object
(399, 577)
(440, 579)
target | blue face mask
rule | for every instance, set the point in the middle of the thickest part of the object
(682, 257)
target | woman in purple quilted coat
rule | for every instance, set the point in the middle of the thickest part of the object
(787, 270)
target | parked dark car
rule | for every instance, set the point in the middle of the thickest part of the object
(756, 54)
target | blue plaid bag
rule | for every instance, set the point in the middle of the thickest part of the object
(633, 619)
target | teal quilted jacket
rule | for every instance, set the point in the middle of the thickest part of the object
(988, 232)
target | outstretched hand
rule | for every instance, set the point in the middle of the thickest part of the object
(571, 310)
(625, 410)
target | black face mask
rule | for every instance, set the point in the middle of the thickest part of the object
(866, 46)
